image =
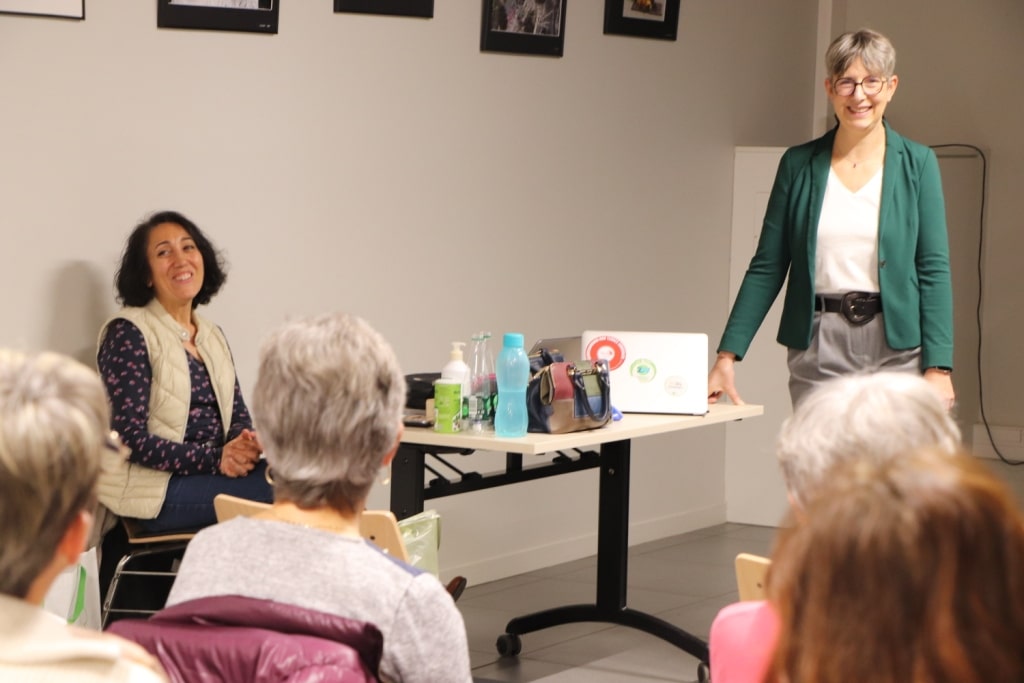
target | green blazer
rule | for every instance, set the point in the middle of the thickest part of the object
(913, 252)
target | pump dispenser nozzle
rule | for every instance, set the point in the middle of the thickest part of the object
(456, 353)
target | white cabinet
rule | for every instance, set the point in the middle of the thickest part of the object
(754, 492)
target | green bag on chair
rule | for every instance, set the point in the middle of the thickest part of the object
(75, 593)
(422, 537)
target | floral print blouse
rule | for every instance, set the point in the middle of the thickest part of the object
(125, 369)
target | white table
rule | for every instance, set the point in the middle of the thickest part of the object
(408, 494)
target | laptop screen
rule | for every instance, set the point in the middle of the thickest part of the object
(571, 348)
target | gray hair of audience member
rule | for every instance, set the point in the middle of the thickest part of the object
(874, 50)
(328, 407)
(871, 416)
(54, 425)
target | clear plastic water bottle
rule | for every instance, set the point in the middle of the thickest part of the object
(513, 373)
(482, 392)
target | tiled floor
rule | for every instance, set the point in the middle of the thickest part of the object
(683, 579)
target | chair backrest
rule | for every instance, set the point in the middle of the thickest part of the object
(234, 638)
(381, 527)
(228, 507)
(378, 526)
(751, 571)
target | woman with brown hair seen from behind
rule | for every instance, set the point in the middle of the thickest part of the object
(905, 571)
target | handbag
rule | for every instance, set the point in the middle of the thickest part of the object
(564, 397)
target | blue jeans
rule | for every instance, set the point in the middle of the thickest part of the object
(189, 501)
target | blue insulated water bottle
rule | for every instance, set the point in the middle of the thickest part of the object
(513, 373)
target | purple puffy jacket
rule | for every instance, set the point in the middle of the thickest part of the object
(234, 639)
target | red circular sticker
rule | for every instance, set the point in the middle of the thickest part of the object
(606, 348)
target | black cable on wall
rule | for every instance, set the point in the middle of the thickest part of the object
(981, 282)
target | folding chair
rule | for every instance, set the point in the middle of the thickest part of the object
(379, 526)
(141, 545)
(751, 571)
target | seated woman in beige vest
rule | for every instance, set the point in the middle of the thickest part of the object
(172, 386)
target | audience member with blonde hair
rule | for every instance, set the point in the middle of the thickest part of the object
(54, 425)
(909, 570)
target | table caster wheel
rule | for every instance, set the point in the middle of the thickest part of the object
(509, 645)
(703, 673)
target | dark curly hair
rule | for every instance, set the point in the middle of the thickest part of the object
(133, 277)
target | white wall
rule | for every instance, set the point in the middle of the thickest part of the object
(387, 167)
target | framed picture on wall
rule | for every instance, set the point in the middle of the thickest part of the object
(404, 8)
(256, 16)
(644, 18)
(535, 27)
(68, 9)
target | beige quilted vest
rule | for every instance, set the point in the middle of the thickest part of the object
(132, 490)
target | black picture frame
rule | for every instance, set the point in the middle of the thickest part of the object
(630, 18)
(401, 8)
(500, 34)
(175, 14)
(63, 9)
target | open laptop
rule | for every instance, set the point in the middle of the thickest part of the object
(653, 372)
(569, 347)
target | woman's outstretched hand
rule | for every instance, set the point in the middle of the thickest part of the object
(722, 379)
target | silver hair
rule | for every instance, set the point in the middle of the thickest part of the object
(874, 50)
(328, 406)
(873, 417)
(54, 425)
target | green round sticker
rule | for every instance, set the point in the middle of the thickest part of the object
(643, 370)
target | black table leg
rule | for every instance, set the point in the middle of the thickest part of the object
(612, 559)
(407, 481)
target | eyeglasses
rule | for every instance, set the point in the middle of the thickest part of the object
(872, 85)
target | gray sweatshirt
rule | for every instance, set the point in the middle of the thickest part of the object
(424, 635)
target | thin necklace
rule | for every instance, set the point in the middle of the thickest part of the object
(338, 529)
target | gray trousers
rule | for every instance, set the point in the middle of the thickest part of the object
(840, 348)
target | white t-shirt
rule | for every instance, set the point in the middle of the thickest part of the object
(846, 259)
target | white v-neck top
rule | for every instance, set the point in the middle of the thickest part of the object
(847, 254)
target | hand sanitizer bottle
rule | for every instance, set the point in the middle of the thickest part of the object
(457, 370)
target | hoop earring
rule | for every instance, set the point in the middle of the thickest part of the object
(266, 475)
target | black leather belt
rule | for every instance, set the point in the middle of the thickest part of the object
(857, 307)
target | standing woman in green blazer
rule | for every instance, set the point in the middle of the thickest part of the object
(857, 220)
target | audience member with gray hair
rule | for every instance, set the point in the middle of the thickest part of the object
(54, 425)
(863, 418)
(872, 417)
(328, 404)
